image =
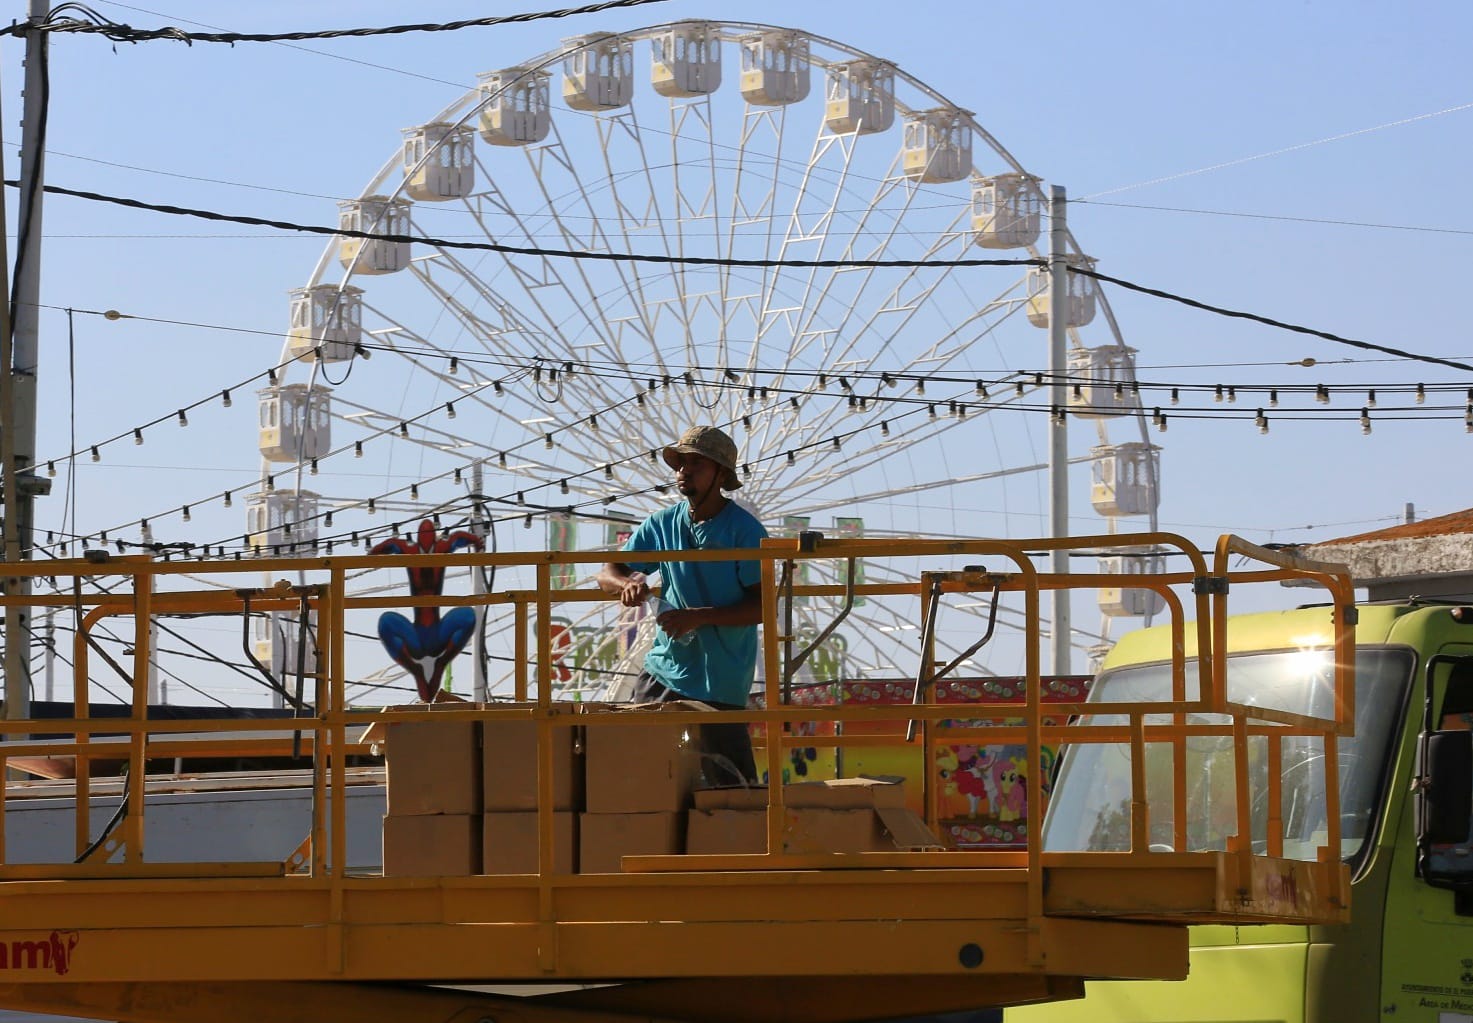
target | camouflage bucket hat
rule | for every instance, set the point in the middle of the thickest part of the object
(711, 443)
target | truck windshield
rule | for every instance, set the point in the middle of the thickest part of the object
(1090, 808)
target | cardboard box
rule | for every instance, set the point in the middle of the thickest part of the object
(604, 839)
(644, 768)
(509, 843)
(509, 766)
(834, 794)
(432, 845)
(433, 767)
(809, 830)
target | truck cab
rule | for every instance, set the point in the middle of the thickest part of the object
(1403, 808)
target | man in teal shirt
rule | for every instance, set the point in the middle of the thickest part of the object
(706, 648)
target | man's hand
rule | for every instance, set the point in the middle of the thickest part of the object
(635, 591)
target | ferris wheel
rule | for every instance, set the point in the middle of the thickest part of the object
(492, 356)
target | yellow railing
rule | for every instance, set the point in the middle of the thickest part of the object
(938, 569)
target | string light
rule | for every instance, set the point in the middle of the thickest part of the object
(1218, 396)
(371, 507)
(1119, 393)
(1371, 398)
(1232, 395)
(884, 427)
(270, 483)
(1273, 398)
(792, 459)
(496, 386)
(327, 524)
(50, 468)
(527, 522)
(271, 377)
(562, 485)
(982, 390)
(836, 442)
(225, 398)
(920, 385)
(547, 441)
(593, 423)
(1322, 394)
(521, 497)
(137, 436)
(454, 365)
(608, 470)
(931, 411)
(1176, 395)
(186, 513)
(404, 430)
(1262, 421)
(501, 459)
(414, 491)
(1365, 422)
(312, 470)
(96, 455)
(228, 500)
(1158, 419)
(1421, 394)
(457, 475)
(450, 409)
(357, 449)
(1018, 388)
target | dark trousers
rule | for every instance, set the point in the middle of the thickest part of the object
(726, 748)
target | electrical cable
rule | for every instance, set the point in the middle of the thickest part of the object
(89, 21)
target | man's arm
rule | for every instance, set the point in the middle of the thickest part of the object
(619, 580)
(747, 611)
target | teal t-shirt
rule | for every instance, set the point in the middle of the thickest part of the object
(719, 663)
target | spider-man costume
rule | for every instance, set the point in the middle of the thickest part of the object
(425, 646)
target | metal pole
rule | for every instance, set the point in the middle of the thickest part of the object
(1058, 431)
(19, 367)
(479, 691)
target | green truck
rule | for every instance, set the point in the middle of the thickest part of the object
(1404, 811)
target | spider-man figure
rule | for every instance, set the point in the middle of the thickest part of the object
(423, 647)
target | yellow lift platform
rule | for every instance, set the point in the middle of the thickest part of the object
(741, 937)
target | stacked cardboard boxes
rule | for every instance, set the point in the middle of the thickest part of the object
(639, 778)
(462, 795)
(842, 816)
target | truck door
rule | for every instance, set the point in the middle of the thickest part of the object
(1427, 951)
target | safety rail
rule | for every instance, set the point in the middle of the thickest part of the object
(547, 922)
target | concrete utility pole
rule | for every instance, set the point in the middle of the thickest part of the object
(1058, 430)
(23, 485)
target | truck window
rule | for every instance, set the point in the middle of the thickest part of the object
(1090, 810)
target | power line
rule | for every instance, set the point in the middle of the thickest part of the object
(1268, 321)
(1278, 217)
(86, 20)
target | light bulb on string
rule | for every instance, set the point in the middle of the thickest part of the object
(225, 398)
(96, 455)
(327, 521)
(1262, 421)
(1273, 398)
(50, 468)
(357, 449)
(403, 430)
(454, 365)
(228, 500)
(1365, 422)
(563, 485)
(1421, 394)
(1322, 394)
(608, 470)
(1371, 398)
(137, 436)
(450, 409)
(1217, 395)
(270, 483)
(312, 469)
(1176, 395)
(792, 459)
(457, 475)
(1232, 395)
(414, 491)
(982, 390)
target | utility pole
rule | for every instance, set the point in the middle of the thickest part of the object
(19, 366)
(1058, 429)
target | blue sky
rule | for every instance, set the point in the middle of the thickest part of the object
(1235, 154)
